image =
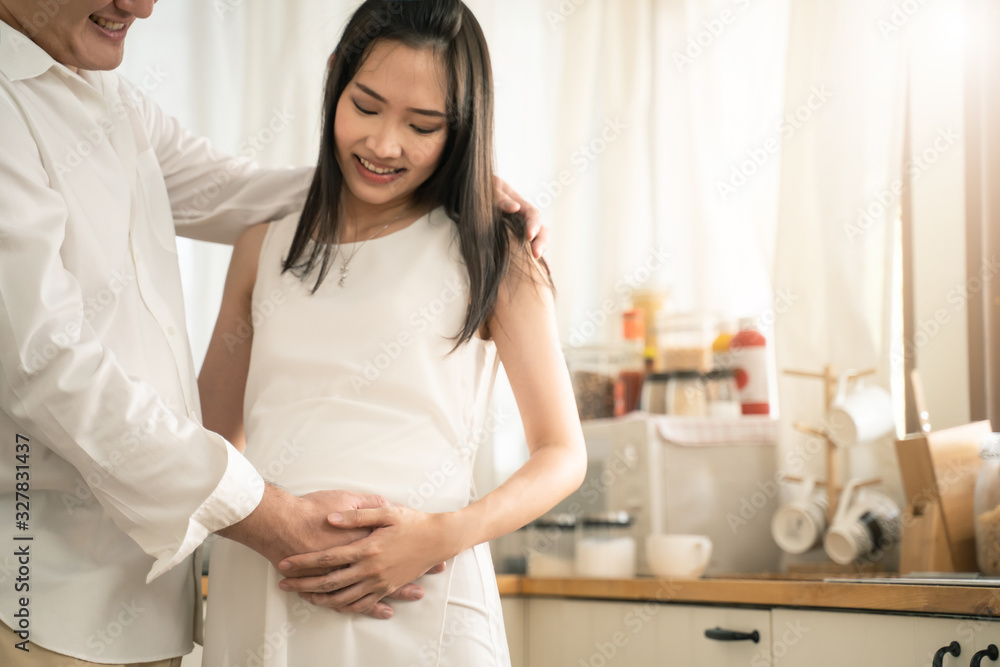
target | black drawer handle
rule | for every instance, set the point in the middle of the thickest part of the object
(720, 635)
(951, 649)
(990, 652)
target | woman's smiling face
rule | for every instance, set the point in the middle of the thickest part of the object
(391, 124)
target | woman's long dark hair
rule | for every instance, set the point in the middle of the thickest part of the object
(463, 182)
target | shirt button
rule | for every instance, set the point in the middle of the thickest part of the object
(171, 331)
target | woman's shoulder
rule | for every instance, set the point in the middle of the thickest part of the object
(250, 245)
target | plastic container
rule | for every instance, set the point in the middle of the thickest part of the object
(508, 552)
(749, 351)
(685, 342)
(686, 395)
(722, 394)
(597, 381)
(987, 507)
(654, 393)
(550, 548)
(605, 547)
(633, 372)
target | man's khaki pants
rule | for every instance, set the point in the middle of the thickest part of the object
(40, 657)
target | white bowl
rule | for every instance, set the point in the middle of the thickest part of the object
(685, 556)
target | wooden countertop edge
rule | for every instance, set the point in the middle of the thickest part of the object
(899, 598)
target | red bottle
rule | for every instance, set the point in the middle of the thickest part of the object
(749, 350)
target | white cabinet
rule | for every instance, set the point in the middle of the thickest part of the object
(682, 640)
(980, 633)
(585, 633)
(577, 633)
(581, 633)
(514, 623)
(829, 639)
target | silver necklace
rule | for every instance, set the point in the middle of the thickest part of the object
(344, 267)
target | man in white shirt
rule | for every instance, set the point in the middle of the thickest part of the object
(108, 481)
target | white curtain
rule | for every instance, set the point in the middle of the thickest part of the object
(659, 102)
(836, 223)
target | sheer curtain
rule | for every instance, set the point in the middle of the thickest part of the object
(837, 217)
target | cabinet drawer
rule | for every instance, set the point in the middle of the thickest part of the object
(831, 639)
(580, 633)
(681, 636)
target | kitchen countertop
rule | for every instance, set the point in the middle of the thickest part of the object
(768, 590)
(771, 590)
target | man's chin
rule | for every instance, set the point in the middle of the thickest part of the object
(106, 59)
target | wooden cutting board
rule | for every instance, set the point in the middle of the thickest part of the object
(939, 472)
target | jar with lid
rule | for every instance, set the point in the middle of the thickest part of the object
(987, 507)
(508, 552)
(686, 395)
(685, 342)
(596, 374)
(654, 393)
(633, 370)
(550, 547)
(722, 395)
(605, 547)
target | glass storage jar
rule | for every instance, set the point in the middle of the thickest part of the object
(598, 380)
(686, 395)
(508, 552)
(722, 394)
(550, 547)
(987, 507)
(605, 547)
(685, 342)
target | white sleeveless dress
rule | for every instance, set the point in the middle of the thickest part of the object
(357, 388)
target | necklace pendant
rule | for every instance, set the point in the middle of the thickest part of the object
(343, 276)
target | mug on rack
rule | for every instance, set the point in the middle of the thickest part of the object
(798, 526)
(866, 525)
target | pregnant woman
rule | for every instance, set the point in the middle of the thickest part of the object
(357, 346)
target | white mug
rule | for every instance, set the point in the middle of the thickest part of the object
(678, 555)
(862, 415)
(798, 526)
(866, 524)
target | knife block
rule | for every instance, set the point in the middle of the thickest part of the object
(939, 472)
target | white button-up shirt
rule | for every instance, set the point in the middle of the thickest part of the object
(108, 481)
